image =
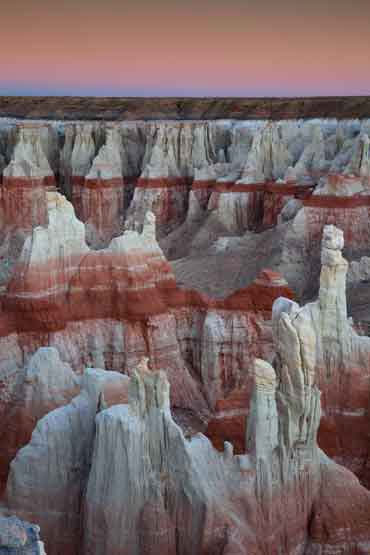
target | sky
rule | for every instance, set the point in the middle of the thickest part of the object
(185, 48)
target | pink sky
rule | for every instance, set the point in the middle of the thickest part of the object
(242, 48)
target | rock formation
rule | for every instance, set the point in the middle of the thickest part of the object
(101, 197)
(174, 153)
(118, 302)
(19, 537)
(184, 496)
(61, 447)
(45, 383)
(332, 350)
(170, 269)
(25, 180)
(341, 198)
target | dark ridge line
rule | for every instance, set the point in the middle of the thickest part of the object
(182, 108)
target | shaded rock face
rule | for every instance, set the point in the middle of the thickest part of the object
(61, 444)
(26, 178)
(17, 537)
(27, 395)
(102, 195)
(96, 182)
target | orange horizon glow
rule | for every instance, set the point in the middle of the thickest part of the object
(164, 48)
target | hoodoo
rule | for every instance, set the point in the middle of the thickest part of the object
(181, 368)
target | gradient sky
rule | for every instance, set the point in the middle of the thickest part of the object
(187, 48)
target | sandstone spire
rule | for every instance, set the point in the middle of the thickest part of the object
(29, 158)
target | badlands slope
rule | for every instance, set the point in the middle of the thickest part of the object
(184, 308)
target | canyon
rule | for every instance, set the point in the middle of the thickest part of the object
(184, 350)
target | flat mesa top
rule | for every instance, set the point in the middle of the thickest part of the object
(182, 108)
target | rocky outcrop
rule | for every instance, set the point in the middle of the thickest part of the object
(268, 158)
(109, 308)
(99, 200)
(331, 348)
(359, 271)
(44, 384)
(195, 496)
(76, 158)
(222, 170)
(311, 340)
(174, 153)
(174, 504)
(48, 476)
(117, 303)
(83, 151)
(49, 258)
(56, 270)
(26, 178)
(30, 155)
(341, 198)
(184, 496)
(19, 537)
(66, 161)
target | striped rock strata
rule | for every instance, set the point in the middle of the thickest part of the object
(108, 308)
(26, 178)
(101, 197)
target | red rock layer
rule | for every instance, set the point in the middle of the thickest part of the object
(23, 201)
(265, 204)
(344, 426)
(77, 184)
(266, 200)
(163, 182)
(337, 202)
(229, 421)
(166, 197)
(272, 206)
(100, 204)
(105, 287)
(257, 297)
(343, 526)
(202, 190)
(284, 189)
(353, 221)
